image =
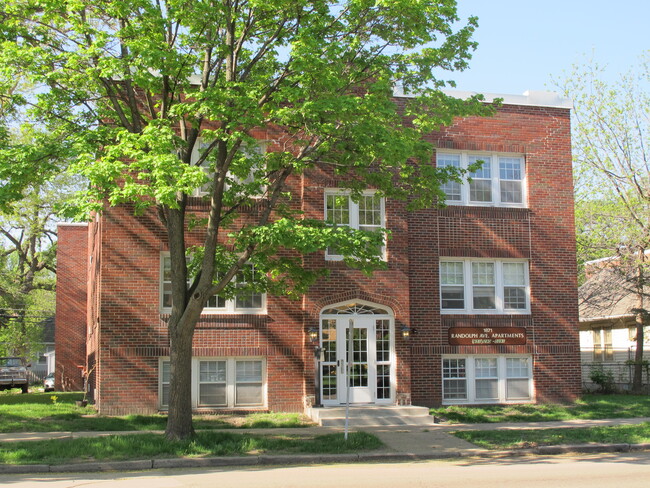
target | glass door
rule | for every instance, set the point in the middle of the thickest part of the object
(361, 371)
(361, 338)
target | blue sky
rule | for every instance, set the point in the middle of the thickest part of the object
(524, 44)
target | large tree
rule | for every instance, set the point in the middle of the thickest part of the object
(162, 97)
(27, 265)
(31, 186)
(611, 134)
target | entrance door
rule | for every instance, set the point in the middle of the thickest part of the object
(361, 370)
(369, 376)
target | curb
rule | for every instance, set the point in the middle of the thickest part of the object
(279, 460)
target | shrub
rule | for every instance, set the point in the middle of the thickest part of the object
(604, 379)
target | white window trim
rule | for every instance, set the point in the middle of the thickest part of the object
(231, 371)
(498, 284)
(495, 179)
(260, 148)
(229, 309)
(502, 377)
(354, 217)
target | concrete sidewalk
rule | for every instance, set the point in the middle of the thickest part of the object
(401, 443)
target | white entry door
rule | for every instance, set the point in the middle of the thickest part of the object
(359, 367)
(367, 378)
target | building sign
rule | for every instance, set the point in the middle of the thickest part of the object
(487, 336)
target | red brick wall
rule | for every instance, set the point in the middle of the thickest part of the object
(128, 334)
(93, 305)
(71, 293)
(543, 233)
(134, 333)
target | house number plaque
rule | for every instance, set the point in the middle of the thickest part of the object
(487, 336)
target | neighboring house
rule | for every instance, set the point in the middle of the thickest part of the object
(40, 361)
(478, 303)
(608, 323)
(45, 362)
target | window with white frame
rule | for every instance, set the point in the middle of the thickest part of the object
(498, 182)
(197, 151)
(454, 382)
(365, 214)
(165, 373)
(248, 383)
(517, 378)
(249, 151)
(212, 384)
(484, 286)
(246, 301)
(487, 379)
(221, 382)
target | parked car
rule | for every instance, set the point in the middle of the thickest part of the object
(48, 382)
(13, 374)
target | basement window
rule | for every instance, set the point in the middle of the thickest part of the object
(487, 379)
(232, 382)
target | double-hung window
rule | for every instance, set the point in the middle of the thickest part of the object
(212, 383)
(454, 378)
(253, 153)
(368, 214)
(248, 383)
(484, 286)
(246, 301)
(229, 382)
(487, 379)
(199, 147)
(498, 182)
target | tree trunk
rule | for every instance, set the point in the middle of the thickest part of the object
(179, 420)
(637, 381)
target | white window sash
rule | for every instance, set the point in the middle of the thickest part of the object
(230, 383)
(353, 210)
(499, 288)
(502, 380)
(495, 179)
(230, 304)
(202, 144)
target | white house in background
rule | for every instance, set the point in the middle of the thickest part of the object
(44, 365)
(608, 322)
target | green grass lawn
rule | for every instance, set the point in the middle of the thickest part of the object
(590, 406)
(513, 439)
(149, 446)
(57, 412)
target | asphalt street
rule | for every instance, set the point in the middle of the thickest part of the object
(629, 470)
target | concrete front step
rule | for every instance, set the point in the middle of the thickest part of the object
(371, 415)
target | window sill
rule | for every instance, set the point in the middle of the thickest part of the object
(339, 259)
(210, 313)
(222, 410)
(486, 402)
(485, 312)
(486, 205)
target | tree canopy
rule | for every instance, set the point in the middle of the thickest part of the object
(28, 267)
(612, 174)
(160, 99)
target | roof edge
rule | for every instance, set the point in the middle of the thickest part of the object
(533, 98)
(606, 317)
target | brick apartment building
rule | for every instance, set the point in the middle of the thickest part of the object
(478, 303)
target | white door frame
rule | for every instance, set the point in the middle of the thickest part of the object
(380, 371)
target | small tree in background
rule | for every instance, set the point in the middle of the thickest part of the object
(611, 133)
